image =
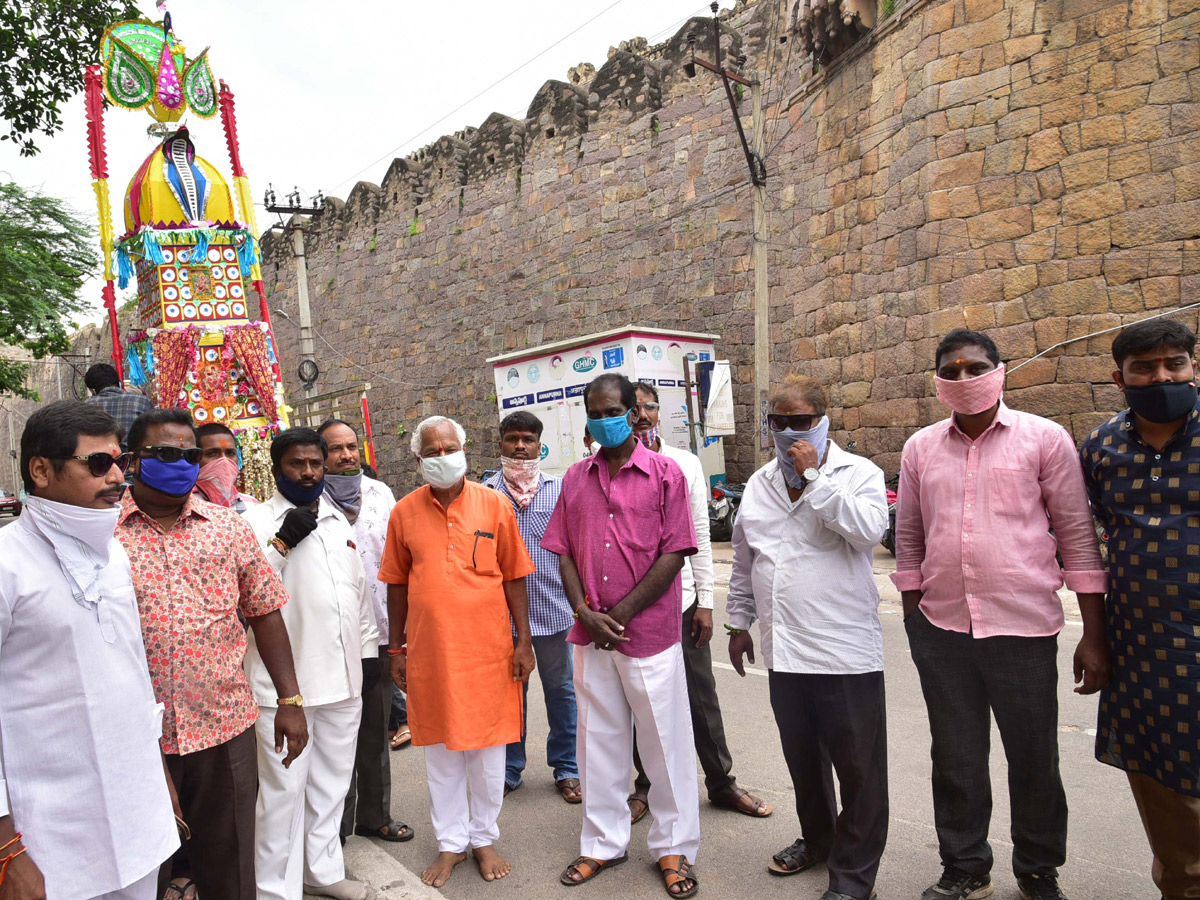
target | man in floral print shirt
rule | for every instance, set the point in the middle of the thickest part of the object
(195, 566)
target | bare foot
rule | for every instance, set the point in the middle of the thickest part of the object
(438, 872)
(491, 864)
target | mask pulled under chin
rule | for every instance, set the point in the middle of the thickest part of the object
(974, 395)
(1162, 403)
(444, 472)
(648, 438)
(297, 493)
(521, 477)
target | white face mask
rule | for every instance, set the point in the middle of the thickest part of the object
(444, 471)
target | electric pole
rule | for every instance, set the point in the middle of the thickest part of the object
(758, 178)
(308, 370)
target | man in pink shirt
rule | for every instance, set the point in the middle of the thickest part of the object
(975, 564)
(622, 529)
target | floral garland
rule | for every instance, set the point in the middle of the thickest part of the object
(224, 364)
(256, 478)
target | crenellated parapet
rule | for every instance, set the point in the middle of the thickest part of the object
(557, 116)
(496, 148)
(627, 87)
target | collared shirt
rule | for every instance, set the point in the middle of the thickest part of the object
(329, 619)
(124, 406)
(1148, 502)
(697, 575)
(826, 622)
(615, 529)
(80, 769)
(973, 526)
(455, 561)
(370, 533)
(549, 608)
(191, 582)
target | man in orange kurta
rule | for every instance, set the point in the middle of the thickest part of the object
(455, 566)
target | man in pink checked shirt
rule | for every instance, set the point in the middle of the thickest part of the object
(975, 563)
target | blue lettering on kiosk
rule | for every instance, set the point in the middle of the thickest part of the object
(576, 390)
(517, 401)
(545, 396)
(613, 357)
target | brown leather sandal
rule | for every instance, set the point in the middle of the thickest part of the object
(676, 870)
(570, 790)
(741, 800)
(587, 868)
(636, 815)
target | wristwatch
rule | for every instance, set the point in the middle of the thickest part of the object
(811, 474)
(280, 547)
(297, 700)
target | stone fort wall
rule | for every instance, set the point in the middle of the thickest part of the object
(1026, 167)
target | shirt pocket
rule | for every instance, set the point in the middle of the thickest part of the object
(642, 527)
(1012, 492)
(483, 553)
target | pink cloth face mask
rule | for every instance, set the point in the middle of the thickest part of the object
(218, 481)
(974, 395)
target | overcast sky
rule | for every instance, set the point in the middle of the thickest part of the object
(328, 93)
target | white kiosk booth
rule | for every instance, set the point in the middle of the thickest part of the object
(549, 381)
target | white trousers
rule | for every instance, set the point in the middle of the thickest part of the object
(299, 811)
(460, 818)
(614, 692)
(145, 888)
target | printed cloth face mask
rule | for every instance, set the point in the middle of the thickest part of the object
(521, 476)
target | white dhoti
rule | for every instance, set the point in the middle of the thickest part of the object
(145, 888)
(614, 692)
(463, 819)
(299, 811)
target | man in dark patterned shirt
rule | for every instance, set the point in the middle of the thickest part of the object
(1142, 470)
(124, 406)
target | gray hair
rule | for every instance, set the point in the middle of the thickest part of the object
(434, 422)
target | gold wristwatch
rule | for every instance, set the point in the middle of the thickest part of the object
(298, 700)
(280, 547)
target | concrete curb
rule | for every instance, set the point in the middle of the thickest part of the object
(385, 877)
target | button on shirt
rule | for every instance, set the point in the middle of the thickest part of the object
(973, 526)
(696, 577)
(804, 569)
(191, 582)
(329, 619)
(1148, 501)
(80, 768)
(615, 529)
(549, 608)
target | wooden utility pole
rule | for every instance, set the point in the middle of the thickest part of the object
(762, 300)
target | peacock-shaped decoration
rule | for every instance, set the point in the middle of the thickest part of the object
(145, 67)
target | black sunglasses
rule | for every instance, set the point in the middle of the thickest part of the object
(172, 454)
(100, 464)
(800, 422)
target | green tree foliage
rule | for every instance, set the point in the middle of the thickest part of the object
(45, 256)
(44, 47)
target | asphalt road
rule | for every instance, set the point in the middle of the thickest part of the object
(1108, 857)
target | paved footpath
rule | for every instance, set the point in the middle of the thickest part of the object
(1108, 858)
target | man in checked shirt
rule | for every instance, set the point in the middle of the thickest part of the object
(533, 494)
(976, 568)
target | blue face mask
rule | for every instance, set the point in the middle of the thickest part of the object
(817, 436)
(175, 479)
(298, 493)
(610, 432)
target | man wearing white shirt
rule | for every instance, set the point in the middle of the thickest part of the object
(93, 818)
(335, 646)
(708, 729)
(366, 503)
(802, 547)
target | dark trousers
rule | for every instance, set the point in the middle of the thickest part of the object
(831, 723)
(707, 725)
(217, 790)
(966, 681)
(369, 800)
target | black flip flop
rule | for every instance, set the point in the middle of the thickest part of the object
(396, 832)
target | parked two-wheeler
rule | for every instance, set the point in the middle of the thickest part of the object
(722, 510)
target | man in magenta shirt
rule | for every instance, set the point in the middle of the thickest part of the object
(622, 529)
(975, 564)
